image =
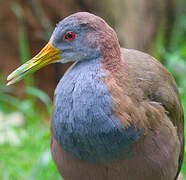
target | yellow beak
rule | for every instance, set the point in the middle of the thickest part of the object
(47, 55)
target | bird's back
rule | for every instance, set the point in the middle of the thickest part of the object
(149, 101)
(158, 86)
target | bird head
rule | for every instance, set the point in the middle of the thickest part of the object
(78, 37)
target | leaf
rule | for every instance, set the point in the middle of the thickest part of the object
(40, 95)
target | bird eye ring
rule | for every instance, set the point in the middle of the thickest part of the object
(69, 36)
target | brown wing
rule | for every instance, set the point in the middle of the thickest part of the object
(158, 86)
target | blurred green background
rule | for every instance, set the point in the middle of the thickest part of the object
(156, 27)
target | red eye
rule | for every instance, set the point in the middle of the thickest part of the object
(69, 36)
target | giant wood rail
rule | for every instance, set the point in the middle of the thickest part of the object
(117, 112)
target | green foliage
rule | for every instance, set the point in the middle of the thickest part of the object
(34, 92)
(31, 159)
(9, 103)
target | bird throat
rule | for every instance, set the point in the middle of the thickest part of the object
(83, 121)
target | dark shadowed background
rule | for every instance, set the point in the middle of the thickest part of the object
(153, 26)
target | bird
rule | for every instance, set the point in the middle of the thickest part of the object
(117, 113)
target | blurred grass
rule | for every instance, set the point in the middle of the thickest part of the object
(31, 159)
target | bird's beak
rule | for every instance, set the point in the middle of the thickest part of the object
(47, 55)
